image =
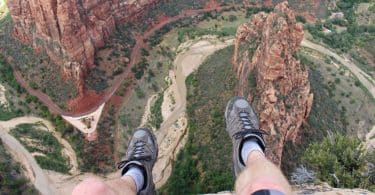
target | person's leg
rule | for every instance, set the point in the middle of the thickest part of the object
(136, 174)
(260, 174)
(253, 171)
(94, 186)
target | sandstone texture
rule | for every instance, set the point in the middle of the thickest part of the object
(69, 31)
(264, 49)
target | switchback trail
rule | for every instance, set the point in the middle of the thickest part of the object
(134, 58)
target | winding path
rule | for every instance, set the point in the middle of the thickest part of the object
(363, 77)
(134, 58)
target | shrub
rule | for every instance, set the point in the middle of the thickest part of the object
(338, 160)
(300, 18)
(357, 83)
(139, 68)
(144, 52)
(232, 18)
(140, 93)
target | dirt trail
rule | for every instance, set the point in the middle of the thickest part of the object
(171, 135)
(67, 148)
(363, 77)
(135, 56)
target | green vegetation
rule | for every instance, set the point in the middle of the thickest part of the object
(204, 165)
(139, 92)
(12, 180)
(8, 113)
(363, 64)
(300, 18)
(339, 160)
(110, 58)
(193, 32)
(6, 75)
(140, 68)
(36, 140)
(253, 10)
(156, 38)
(97, 79)
(156, 116)
(355, 34)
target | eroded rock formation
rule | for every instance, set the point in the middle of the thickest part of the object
(69, 31)
(264, 49)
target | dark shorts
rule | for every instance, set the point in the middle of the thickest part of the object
(268, 192)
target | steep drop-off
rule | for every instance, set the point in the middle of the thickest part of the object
(272, 77)
(69, 31)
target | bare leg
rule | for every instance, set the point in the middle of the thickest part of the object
(136, 169)
(260, 174)
(94, 186)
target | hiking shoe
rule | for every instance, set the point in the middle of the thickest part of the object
(242, 124)
(142, 152)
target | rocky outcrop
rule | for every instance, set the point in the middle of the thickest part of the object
(264, 49)
(69, 31)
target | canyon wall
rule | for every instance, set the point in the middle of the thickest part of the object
(265, 50)
(69, 31)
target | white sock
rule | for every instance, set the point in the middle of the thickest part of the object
(137, 175)
(248, 147)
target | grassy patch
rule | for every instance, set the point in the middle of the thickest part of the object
(156, 115)
(37, 140)
(12, 180)
(204, 165)
(363, 64)
(6, 114)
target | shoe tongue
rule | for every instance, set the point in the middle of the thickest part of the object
(242, 114)
(130, 164)
(242, 103)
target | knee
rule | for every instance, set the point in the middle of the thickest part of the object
(92, 186)
(263, 184)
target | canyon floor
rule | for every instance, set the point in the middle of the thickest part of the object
(180, 54)
(171, 136)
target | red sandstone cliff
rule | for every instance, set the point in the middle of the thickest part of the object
(283, 100)
(69, 31)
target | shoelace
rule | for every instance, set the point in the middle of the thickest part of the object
(137, 155)
(246, 127)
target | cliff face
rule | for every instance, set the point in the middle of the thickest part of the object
(69, 31)
(264, 49)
